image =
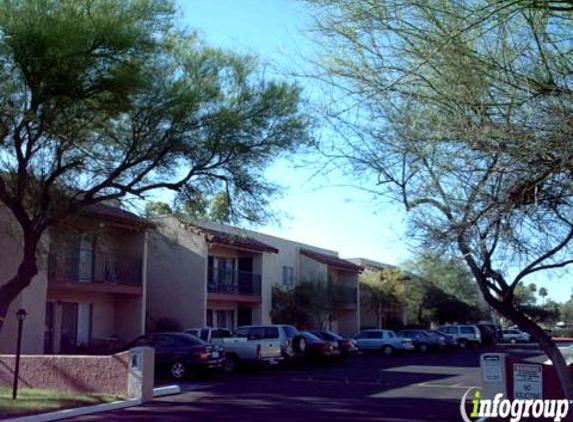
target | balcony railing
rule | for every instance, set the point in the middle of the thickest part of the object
(89, 266)
(233, 282)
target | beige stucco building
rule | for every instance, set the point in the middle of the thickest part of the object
(207, 274)
(89, 294)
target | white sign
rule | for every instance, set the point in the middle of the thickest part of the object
(491, 368)
(527, 381)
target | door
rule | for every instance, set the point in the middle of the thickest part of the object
(49, 328)
(245, 275)
(69, 327)
(244, 316)
(87, 259)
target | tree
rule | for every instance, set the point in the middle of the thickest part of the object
(309, 303)
(543, 294)
(381, 291)
(461, 111)
(451, 276)
(104, 99)
(157, 209)
(199, 207)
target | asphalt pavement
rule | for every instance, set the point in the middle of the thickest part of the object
(413, 387)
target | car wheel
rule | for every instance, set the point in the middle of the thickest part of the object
(463, 343)
(423, 348)
(231, 363)
(178, 370)
(387, 350)
(513, 341)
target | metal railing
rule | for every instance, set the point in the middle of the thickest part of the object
(233, 282)
(91, 266)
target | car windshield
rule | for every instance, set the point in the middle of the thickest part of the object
(329, 335)
(309, 336)
(290, 331)
(190, 340)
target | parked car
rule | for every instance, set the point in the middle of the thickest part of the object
(317, 349)
(384, 340)
(422, 340)
(449, 341)
(464, 334)
(515, 336)
(257, 346)
(284, 334)
(347, 346)
(179, 354)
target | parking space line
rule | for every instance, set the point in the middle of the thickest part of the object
(437, 385)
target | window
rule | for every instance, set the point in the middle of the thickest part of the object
(225, 319)
(270, 332)
(209, 317)
(290, 331)
(288, 279)
(374, 334)
(242, 332)
(390, 334)
(467, 330)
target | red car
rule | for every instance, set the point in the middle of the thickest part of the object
(315, 348)
(347, 346)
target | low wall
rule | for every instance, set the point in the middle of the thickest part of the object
(90, 374)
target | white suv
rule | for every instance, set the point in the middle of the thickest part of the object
(285, 334)
(464, 334)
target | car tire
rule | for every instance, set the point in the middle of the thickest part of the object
(231, 363)
(387, 350)
(463, 344)
(513, 341)
(178, 370)
(423, 348)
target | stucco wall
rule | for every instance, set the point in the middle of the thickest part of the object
(32, 299)
(176, 274)
(97, 374)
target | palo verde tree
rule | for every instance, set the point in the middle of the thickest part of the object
(107, 99)
(462, 112)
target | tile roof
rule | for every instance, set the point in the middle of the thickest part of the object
(116, 215)
(332, 261)
(236, 240)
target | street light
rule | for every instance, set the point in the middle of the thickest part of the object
(21, 316)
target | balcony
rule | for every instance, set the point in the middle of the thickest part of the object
(86, 269)
(233, 282)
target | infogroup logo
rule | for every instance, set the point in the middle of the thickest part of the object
(514, 409)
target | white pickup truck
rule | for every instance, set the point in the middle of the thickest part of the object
(255, 348)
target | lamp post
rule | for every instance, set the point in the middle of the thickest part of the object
(21, 316)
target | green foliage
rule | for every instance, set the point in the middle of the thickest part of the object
(157, 209)
(451, 276)
(108, 99)
(309, 304)
(422, 300)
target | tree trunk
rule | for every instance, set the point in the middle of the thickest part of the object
(26, 271)
(548, 345)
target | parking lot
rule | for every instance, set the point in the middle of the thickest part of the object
(411, 387)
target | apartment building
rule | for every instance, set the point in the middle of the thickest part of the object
(89, 294)
(217, 275)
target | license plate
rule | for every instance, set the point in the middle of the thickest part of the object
(215, 354)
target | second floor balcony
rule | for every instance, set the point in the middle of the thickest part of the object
(221, 280)
(79, 265)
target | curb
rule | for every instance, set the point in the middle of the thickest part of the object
(97, 408)
(78, 411)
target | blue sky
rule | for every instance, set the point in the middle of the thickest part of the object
(315, 210)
